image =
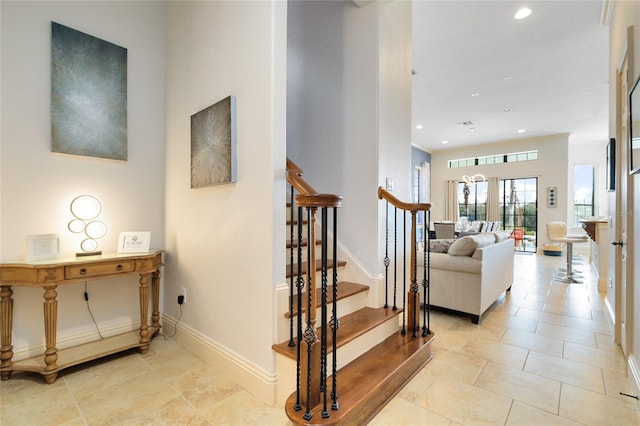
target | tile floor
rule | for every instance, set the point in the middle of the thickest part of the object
(543, 356)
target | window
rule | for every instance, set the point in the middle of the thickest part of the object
(494, 159)
(473, 204)
(583, 194)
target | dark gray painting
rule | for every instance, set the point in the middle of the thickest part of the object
(88, 95)
(213, 144)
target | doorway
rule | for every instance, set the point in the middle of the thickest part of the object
(519, 211)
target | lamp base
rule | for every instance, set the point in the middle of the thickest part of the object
(89, 253)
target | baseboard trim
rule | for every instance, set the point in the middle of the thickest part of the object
(260, 383)
(635, 372)
(610, 310)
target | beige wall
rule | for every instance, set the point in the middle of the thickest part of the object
(37, 186)
(225, 244)
(550, 169)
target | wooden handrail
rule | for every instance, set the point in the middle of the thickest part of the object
(319, 200)
(294, 177)
(383, 194)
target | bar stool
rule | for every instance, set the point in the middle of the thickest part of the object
(557, 232)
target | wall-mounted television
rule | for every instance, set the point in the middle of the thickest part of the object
(611, 165)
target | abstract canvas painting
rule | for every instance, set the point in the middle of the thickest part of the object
(88, 95)
(213, 144)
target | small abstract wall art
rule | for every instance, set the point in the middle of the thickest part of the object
(213, 144)
(88, 95)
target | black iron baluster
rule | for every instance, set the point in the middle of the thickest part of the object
(335, 322)
(426, 282)
(404, 277)
(310, 333)
(386, 257)
(395, 256)
(323, 347)
(291, 248)
(300, 287)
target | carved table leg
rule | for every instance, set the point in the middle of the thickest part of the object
(144, 308)
(6, 313)
(50, 326)
(155, 301)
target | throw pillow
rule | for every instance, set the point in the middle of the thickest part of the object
(465, 246)
(441, 245)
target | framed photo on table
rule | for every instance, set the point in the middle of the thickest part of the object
(43, 246)
(134, 242)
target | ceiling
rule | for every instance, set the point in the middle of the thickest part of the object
(473, 59)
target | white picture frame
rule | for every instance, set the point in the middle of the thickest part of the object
(134, 242)
(43, 246)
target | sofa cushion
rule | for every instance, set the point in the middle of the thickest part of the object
(501, 235)
(440, 245)
(465, 246)
(442, 261)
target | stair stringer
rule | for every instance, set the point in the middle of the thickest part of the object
(286, 367)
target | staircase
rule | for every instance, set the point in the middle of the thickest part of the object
(374, 358)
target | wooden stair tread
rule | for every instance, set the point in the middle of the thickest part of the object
(352, 326)
(318, 266)
(369, 382)
(345, 289)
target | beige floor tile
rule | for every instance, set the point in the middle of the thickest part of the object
(525, 415)
(606, 342)
(465, 404)
(418, 385)
(174, 363)
(567, 334)
(204, 386)
(545, 345)
(242, 408)
(52, 407)
(459, 366)
(23, 385)
(175, 412)
(592, 408)
(509, 355)
(514, 322)
(99, 374)
(124, 400)
(617, 382)
(566, 371)
(561, 309)
(541, 316)
(400, 412)
(594, 357)
(602, 327)
(447, 339)
(521, 386)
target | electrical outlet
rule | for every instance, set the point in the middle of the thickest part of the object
(183, 293)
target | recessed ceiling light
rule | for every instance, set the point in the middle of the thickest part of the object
(522, 130)
(472, 129)
(507, 110)
(508, 78)
(522, 13)
(475, 94)
(419, 126)
(445, 142)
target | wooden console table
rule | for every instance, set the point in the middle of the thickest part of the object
(48, 275)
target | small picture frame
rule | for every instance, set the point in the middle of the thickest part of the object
(43, 246)
(134, 242)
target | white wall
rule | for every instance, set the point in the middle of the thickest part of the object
(225, 243)
(36, 186)
(625, 14)
(349, 108)
(550, 169)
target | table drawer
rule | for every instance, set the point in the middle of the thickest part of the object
(98, 269)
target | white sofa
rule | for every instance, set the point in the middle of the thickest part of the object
(473, 272)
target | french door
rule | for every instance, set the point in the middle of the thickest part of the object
(519, 210)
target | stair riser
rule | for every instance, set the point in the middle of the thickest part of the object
(286, 367)
(345, 307)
